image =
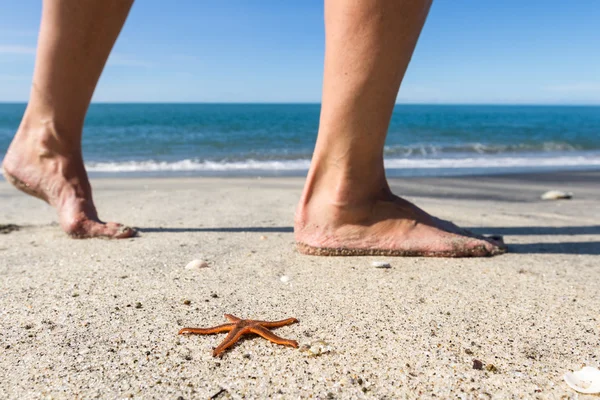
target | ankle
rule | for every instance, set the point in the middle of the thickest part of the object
(46, 137)
(333, 198)
(344, 187)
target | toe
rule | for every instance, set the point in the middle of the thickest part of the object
(488, 247)
(461, 246)
(498, 243)
(495, 242)
(111, 230)
(119, 231)
(96, 229)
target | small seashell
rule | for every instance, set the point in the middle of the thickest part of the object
(316, 348)
(381, 264)
(491, 368)
(556, 195)
(263, 237)
(196, 264)
(586, 380)
(285, 279)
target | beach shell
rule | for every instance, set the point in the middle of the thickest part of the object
(381, 264)
(196, 264)
(586, 380)
(285, 279)
(316, 348)
(556, 195)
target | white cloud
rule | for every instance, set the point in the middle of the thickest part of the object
(16, 49)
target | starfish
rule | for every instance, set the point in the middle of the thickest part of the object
(239, 327)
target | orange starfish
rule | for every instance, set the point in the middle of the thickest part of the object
(240, 327)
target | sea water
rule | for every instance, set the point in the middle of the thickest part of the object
(278, 139)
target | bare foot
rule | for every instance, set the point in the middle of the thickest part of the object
(37, 164)
(384, 225)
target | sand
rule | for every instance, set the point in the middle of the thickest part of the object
(99, 319)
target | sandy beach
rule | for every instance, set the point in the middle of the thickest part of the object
(99, 319)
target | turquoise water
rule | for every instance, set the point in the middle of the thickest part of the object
(273, 139)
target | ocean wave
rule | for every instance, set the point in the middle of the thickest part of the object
(478, 148)
(196, 165)
(190, 165)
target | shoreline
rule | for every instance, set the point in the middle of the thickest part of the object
(98, 318)
(302, 174)
(396, 166)
(566, 173)
(391, 173)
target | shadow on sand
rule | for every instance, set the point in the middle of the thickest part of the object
(592, 248)
(589, 248)
(256, 229)
(540, 230)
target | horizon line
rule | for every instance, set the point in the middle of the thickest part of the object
(319, 103)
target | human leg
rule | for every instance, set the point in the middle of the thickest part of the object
(347, 207)
(44, 158)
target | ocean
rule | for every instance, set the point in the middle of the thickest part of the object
(278, 139)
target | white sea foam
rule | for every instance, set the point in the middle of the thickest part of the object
(193, 165)
(428, 149)
(504, 162)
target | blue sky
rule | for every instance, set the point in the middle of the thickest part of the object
(516, 52)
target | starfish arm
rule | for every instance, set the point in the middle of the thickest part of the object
(232, 318)
(277, 324)
(207, 331)
(229, 340)
(270, 336)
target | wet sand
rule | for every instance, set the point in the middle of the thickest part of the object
(98, 318)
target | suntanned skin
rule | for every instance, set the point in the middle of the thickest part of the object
(44, 158)
(346, 208)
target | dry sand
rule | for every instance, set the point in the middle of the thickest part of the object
(97, 318)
